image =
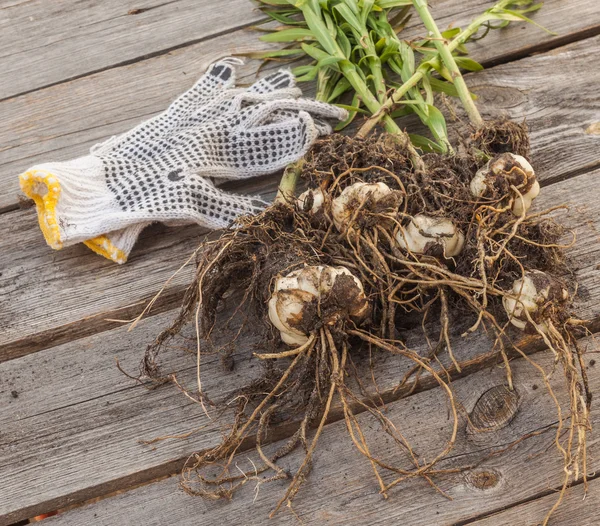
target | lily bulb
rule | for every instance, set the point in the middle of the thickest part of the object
(310, 201)
(504, 171)
(306, 299)
(529, 293)
(437, 236)
(344, 205)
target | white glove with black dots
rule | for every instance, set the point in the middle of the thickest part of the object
(162, 170)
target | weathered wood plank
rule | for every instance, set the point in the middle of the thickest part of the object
(70, 407)
(44, 43)
(342, 489)
(578, 509)
(540, 91)
(69, 278)
(49, 297)
(62, 395)
(94, 36)
(62, 122)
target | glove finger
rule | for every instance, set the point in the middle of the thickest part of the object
(218, 209)
(323, 127)
(116, 245)
(220, 76)
(183, 112)
(278, 85)
(261, 113)
(267, 148)
(279, 80)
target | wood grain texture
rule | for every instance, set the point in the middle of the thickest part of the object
(70, 278)
(48, 42)
(63, 121)
(49, 297)
(578, 509)
(69, 417)
(540, 91)
(45, 44)
(70, 421)
(73, 406)
(342, 489)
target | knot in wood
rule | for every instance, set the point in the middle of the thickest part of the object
(494, 410)
(499, 97)
(483, 480)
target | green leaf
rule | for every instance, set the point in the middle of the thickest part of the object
(289, 35)
(401, 112)
(302, 70)
(388, 4)
(427, 88)
(278, 53)
(332, 27)
(353, 5)
(425, 144)
(352, 108)
(390, 51)
(311, 74)
(284, 19)
(436, 122)
(515, 16)
(340, 88)
(344, 43)
(451, 33)
(462, 49)
(347, 14)
(442, 70)
(313, 51)
(381, 44)
(448, 88)
(468, 63)
(319, 30)
(367, 7)
(347, 122)
(395, 65)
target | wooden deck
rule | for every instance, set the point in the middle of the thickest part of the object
(77, 72)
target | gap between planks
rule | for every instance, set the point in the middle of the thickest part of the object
(446, 12)
(50, 124)
(333, 485)
(34, 321)
(85, 369)
(578, 509)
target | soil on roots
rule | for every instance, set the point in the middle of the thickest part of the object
(502, 136)
(405, 290)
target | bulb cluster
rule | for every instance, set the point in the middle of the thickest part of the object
(437, 236)
(314, 296)
(528, 297)
(511, 175)
(423, 235)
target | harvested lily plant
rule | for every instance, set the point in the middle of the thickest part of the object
(392, 233)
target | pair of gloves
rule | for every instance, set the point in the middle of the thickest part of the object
(165, 168)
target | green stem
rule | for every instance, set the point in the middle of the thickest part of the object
(443, 49)
(422, 70)
(289, 180)
(290, 177)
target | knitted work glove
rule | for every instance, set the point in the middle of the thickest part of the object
(159, 170)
